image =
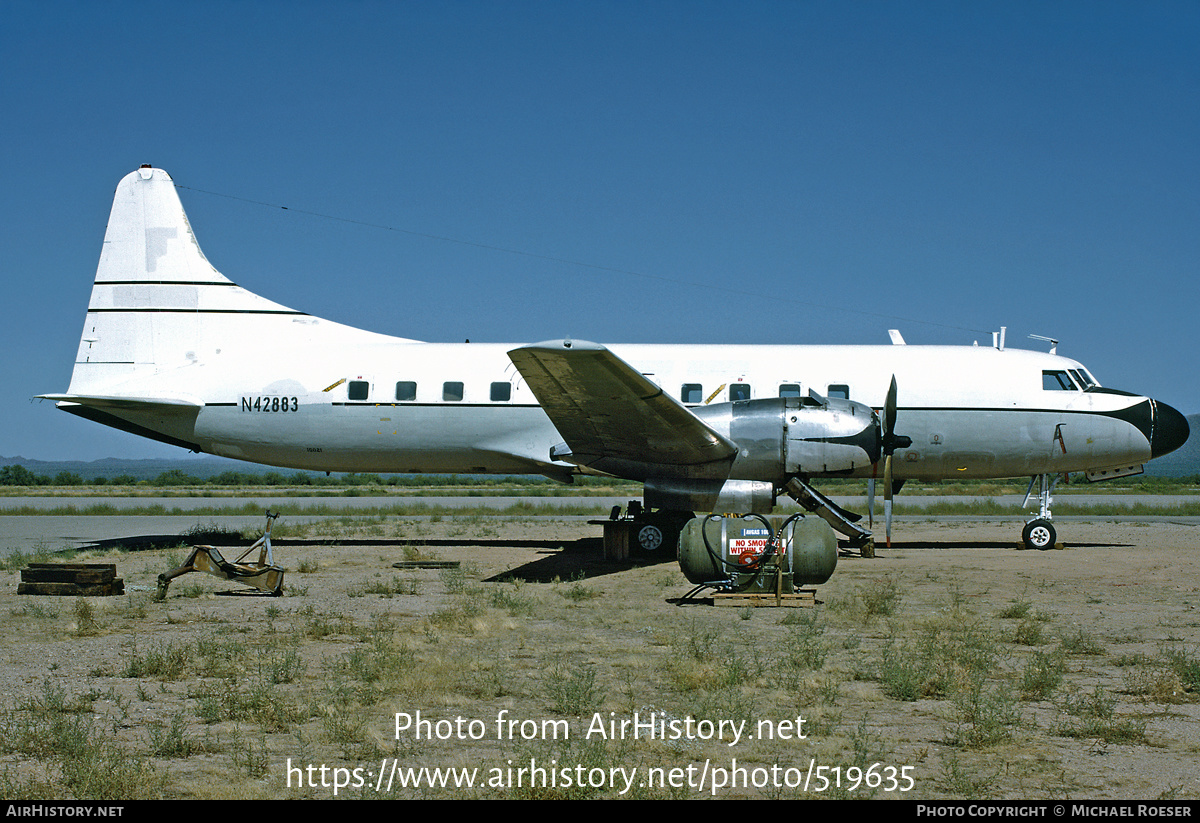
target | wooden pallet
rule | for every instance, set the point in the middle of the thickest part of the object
(427, 564)
(800, 599)
(71, 579)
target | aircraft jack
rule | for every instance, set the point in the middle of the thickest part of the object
(262, 574)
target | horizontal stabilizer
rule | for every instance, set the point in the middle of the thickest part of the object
(115, 402)
(165, 419)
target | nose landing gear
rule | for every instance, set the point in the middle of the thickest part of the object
(1039, 533)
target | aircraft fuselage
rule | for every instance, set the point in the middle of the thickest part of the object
(971, 411)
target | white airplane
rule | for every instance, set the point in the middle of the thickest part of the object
(174, 351)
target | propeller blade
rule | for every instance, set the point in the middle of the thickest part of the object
(887, 498)
(889, 414)
(891, 442)
(888, 423)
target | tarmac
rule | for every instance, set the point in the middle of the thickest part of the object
(56, 532)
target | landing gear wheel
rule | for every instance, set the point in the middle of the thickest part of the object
(657, 534)
(650, 538)
(1039, 534)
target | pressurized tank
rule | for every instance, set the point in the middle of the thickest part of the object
(743, 552)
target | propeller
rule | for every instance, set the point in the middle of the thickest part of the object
(891, 442)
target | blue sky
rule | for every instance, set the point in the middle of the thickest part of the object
(751, 172)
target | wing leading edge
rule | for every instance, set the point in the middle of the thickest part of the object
(613, 418)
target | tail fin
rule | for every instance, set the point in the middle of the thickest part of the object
(157, 303)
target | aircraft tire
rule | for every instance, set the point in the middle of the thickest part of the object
(1039, 535)
(649, 537)
(659, 533)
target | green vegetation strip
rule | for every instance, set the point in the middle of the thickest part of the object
(530, 509)
(533, 508)
(19, 480)
(1062, 507)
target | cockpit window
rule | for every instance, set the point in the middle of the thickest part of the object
(1057, 381)
(1083, 378)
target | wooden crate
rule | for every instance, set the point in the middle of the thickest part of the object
(71, 579)
(618, 536)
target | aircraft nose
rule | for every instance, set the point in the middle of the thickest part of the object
(1170, 430)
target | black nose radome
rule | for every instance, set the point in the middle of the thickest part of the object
(1170, 430)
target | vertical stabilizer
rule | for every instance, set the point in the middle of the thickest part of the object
(149, 240)
(157, 303)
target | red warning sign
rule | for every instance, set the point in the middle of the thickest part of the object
(747, 549)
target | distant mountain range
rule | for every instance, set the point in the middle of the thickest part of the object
(1182, 462)
(202, 467)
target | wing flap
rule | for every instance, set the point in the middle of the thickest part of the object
(609, 413)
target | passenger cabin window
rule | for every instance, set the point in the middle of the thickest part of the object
(739, 391)
(406, 390)
(692, 393)
(1057, 381)
(501, 392)
(359, 389)
(789, 389)
(839, 390)
(452, 391)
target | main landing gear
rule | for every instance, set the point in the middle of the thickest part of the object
(1039, 533)
(655, 532)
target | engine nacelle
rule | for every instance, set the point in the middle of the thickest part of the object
(781, 437)
(698, 495)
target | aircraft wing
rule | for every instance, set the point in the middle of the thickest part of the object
(612, 416)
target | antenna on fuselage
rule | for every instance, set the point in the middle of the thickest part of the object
(1053, 343)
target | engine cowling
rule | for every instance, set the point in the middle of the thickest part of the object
(781, 437)
(777, 438)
